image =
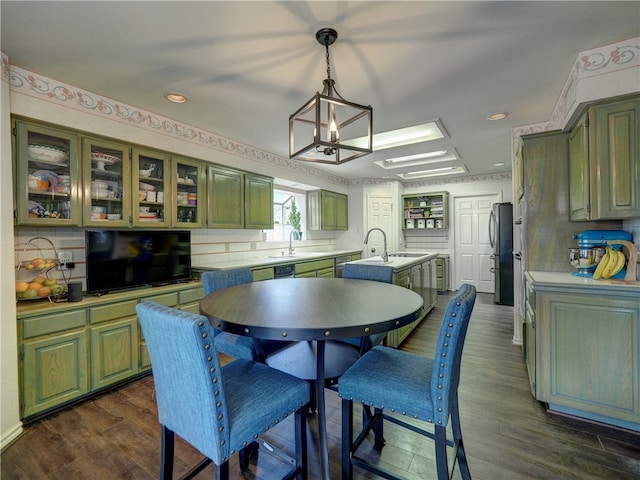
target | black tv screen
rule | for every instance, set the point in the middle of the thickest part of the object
(121, 259)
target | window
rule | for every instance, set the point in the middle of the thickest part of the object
(283, 204)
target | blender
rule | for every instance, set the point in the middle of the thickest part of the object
(592, 245)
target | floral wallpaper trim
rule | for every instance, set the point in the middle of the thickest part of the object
(603, 60)
(28, 83)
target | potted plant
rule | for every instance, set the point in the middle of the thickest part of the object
(294, 219)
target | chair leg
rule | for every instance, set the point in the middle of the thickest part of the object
(222, 471)
(167, 439)
(440, 438)
(378, 429)
(347, 438)
(457, 438)
(301, 442)
(244, 455)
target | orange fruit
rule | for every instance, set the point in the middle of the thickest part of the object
(21, 286)
(44, 292)
(34, 286)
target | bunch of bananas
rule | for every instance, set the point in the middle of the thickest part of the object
(612, 262)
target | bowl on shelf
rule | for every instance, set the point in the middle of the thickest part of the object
(146, 187)
(46, 153)
(114, 216)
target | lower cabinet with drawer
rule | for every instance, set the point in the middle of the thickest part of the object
(316, 268)
(72, 350)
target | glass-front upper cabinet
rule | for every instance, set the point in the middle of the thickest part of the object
(188, 181)
(107, 184)
(151, 188)
(47, 176)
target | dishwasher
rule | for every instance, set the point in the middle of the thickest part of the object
(284, 271)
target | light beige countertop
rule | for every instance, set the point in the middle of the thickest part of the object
(573, 282)
(399, 260)
(267, 261)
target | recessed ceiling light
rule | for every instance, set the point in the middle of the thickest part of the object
(497, 116)
(499, 164)
(176, 97)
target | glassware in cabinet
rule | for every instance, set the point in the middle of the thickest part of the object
(188, 181)
(107, 191)
(151, 188)
(48, 182)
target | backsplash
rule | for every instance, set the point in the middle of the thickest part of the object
(207, 246)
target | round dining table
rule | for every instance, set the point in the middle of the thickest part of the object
(312, 310)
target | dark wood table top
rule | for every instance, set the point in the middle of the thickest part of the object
(311, 308)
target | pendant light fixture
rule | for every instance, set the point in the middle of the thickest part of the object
(328, 128)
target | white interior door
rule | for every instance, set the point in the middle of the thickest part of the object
(380, 214)
(472, 249)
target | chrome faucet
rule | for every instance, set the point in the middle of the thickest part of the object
(385, 254)
(291, 249)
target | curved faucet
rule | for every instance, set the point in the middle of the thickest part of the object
(385, 254)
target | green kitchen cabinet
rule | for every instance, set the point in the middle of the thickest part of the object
(421, 278)
(47, 176)
(107, 189)
(327, 210)
(225, 198)
(54, 371)
(265, 273)
(239, 200)
(442, 273)
(258, 202)
(604, 162)
(188, 202)
(114, 352)
(53, 367)
(150, 209)
(71, 351)
(583, 349)
(315, 268)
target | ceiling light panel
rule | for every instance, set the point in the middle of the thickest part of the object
(426, 158)
(437, 172)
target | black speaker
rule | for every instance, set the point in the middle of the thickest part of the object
(75, 291)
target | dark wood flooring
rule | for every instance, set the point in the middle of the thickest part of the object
(508, 434)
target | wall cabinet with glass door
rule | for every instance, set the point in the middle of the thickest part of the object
(188, 182)
(47, 176)
(107, 183)
(151, 188)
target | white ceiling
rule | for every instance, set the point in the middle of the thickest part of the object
(246, 66)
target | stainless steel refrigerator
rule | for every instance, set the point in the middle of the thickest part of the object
(501, 238)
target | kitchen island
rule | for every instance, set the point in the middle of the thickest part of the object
(582, 346)
(416, 271)
(302, 264)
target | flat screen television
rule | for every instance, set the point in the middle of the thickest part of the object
(122, 259)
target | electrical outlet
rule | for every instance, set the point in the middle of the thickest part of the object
(65, 257)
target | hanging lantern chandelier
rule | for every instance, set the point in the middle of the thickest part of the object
(328, 128)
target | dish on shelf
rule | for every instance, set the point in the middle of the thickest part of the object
(146, 187)
(46, 153)
(102, 159)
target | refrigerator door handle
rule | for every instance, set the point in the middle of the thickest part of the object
(517, 256)
(492, 221)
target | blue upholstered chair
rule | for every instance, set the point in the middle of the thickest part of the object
(237, 346)
(407, 384)
(218, 410)
(376, 273)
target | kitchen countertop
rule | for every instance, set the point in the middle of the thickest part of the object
(267, 261)
(399, 260)
(562, 279)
